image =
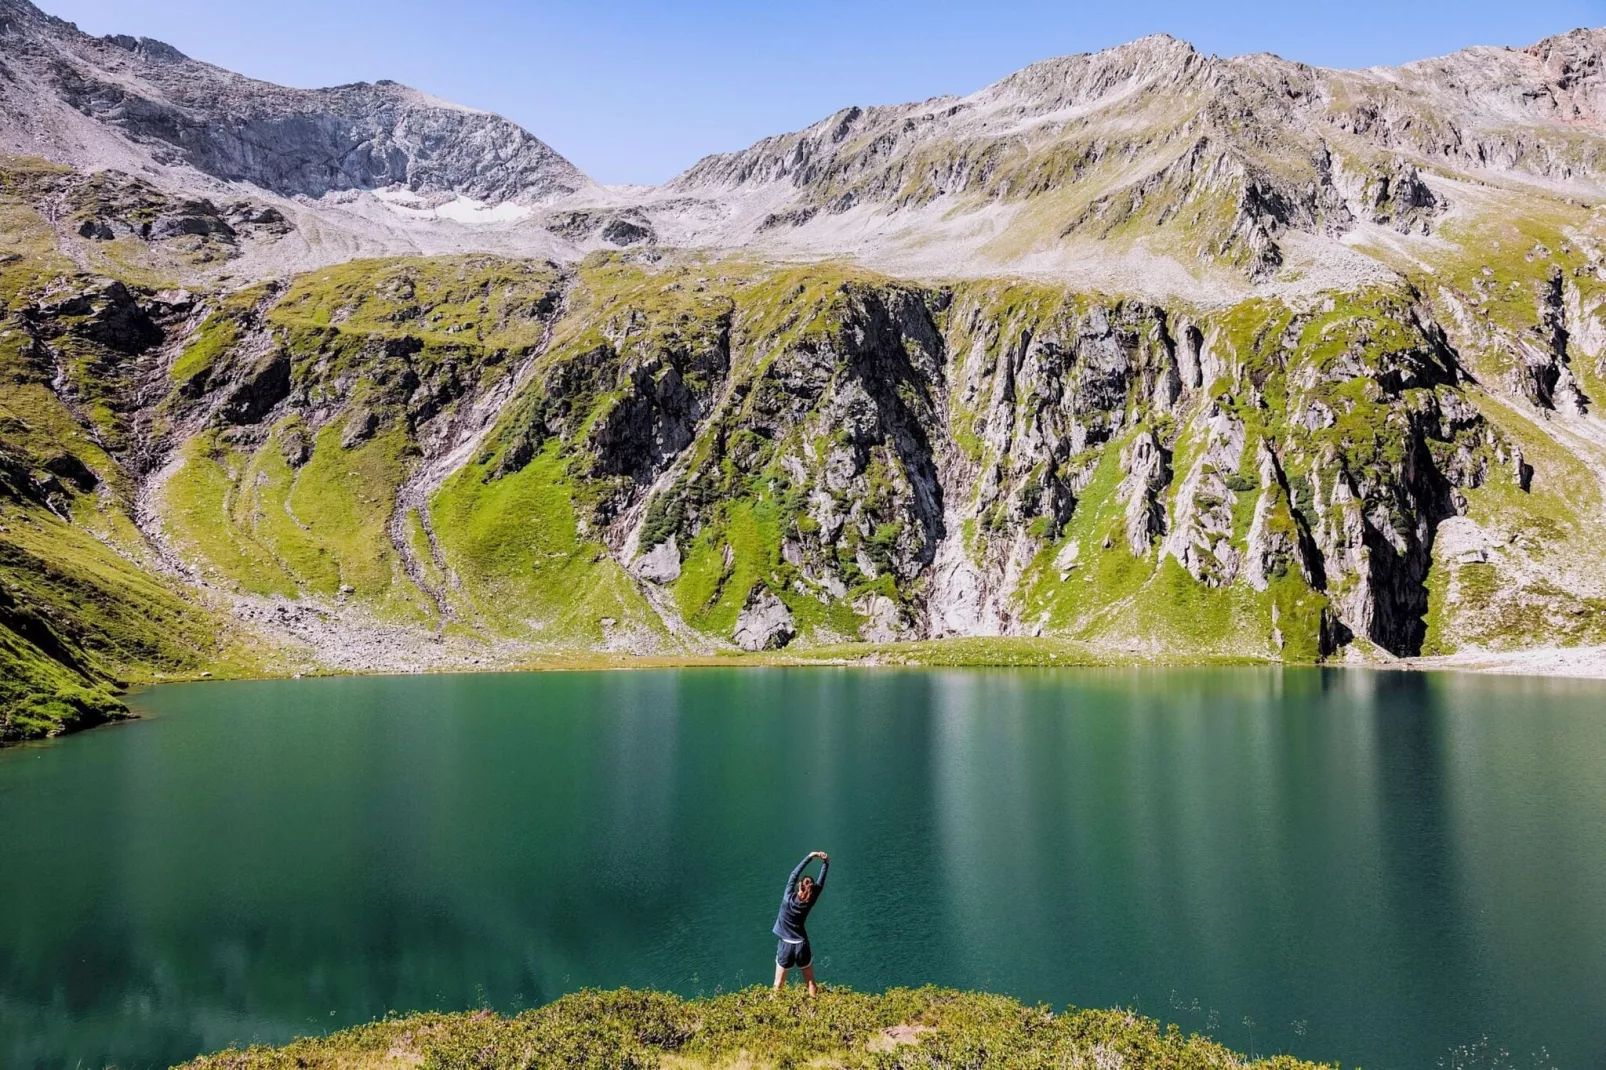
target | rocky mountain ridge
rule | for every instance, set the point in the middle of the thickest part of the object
(1150, 167)
(1157, 146)
(136, 102)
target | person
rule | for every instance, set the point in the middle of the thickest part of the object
(802, 892)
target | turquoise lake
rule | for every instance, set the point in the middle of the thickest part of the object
(1374, 868)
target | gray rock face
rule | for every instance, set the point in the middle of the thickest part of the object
(661, 564)
(1201, 540)
(884, 621)
(290, 141)
(618, 229)
(108, 314)
(766, 623)
(866, 394)
(263, 387)
(1272, 546)
(1148, 469)
(360, 427)
(1542, 371)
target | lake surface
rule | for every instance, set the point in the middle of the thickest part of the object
(1373, 868)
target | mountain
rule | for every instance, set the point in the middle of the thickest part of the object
(1154, 151)
(1144, 355)
(141, 105)
(349, 171)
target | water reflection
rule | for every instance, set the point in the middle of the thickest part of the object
(1371, 867)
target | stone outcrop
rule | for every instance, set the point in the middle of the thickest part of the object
(1147, 468)
(1277, 540)
(1543, 371)
(765, 623)
(1201, 536)
(661, 564)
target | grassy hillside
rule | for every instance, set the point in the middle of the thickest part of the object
(78, 623)
(438, 458)
(899, 1030)
(296, 413)
(84, 612)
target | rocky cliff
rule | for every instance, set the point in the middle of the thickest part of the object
(371, 463)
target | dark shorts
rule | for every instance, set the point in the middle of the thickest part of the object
(793, 956)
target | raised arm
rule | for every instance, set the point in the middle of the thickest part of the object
(791, 882)
(825, 867)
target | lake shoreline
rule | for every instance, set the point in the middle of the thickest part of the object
(996, 652)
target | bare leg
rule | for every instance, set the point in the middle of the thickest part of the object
(808, 977)
(780, 977)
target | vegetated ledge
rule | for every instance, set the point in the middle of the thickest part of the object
(902, 1028)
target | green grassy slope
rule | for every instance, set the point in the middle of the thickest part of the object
(373, 351)
(83, 611)
(78, 623)
(527, 567)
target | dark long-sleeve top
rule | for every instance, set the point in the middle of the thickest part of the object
(789, 925)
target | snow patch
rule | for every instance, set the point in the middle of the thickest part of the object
(459, 209)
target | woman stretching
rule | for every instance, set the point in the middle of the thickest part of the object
(793, 952)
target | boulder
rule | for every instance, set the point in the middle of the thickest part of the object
(661, 564)
(766, 623)
(360, 427)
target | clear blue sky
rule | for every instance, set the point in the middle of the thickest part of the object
(638, 90)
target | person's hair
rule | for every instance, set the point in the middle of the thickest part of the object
(805, 889)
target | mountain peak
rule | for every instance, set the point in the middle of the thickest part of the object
(1581, 39)
(1087, 76)
(1569, 56)
(146, 46)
